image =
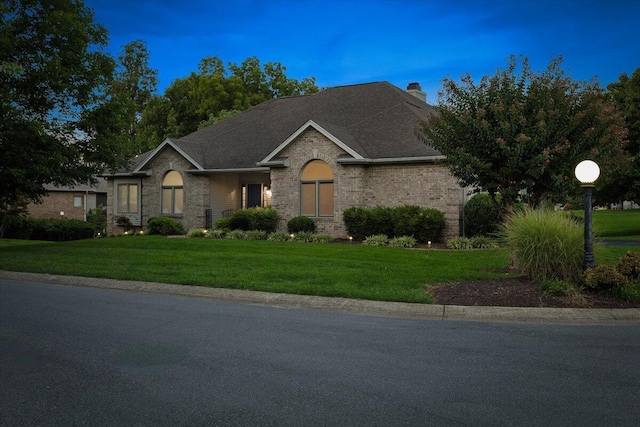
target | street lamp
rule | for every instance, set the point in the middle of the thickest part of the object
(587, 172)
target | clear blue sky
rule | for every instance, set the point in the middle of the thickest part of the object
(401, 41)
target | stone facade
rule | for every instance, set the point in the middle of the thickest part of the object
(422, 184)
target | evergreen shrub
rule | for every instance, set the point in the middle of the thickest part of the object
(481, 216)
(164, 226)
(301, 223)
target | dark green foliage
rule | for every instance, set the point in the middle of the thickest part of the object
(423, 224)
(124, 223)
(164, 226)
(629, 266)
(97, 219)
(222, 223)
(53, 230)
(604, 277)
(264, 219)
(301, 223)
(481, 217)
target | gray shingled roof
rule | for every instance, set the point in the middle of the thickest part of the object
(376, 120)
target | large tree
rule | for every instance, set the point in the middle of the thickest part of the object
(213, 93)
(520, 133)
(624, 181)
(52, 71)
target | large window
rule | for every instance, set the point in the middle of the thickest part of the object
(172, 194)
(127, 198)
(316, 189)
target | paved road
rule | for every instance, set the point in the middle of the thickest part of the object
(85, 356)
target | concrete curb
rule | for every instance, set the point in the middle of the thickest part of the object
(583, 316)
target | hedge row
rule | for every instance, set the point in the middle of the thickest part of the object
(423, 224)
(264, 219)
(55, 230)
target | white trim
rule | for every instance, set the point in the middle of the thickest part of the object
(232, 170)
(303, 128)
(160, 147)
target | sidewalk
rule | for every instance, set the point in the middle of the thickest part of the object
(574, 316)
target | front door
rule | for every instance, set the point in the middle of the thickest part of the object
(254, 195)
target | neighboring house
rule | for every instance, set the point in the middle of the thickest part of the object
(70, 202)
(312, 155)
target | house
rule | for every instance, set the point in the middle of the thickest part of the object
(70, 202)
(312, 155)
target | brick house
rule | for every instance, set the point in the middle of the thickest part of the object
(312, 155)
(70, 202)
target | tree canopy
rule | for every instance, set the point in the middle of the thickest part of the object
(624, 181)
(213, 93)
(53, 71)
(520, 133)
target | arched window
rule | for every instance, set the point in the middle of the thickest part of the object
(172, 194)
(316, 189)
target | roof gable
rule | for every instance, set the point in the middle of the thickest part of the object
(311, 125)
(174, 145)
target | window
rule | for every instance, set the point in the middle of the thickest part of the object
(77, 201)
(172, 194)
(127, 195)
(316, 189)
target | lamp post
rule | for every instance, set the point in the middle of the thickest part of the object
(587, 172)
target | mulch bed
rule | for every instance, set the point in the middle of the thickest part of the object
(517, 292)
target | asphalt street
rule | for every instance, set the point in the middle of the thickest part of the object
(85, 356)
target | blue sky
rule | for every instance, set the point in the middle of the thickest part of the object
(400, 41)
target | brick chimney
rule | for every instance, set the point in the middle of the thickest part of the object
(415, 90)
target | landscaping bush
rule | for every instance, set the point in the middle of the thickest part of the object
(301, 223)
(222, 223)
(124, 223)
(483, 242)
(97, 218)
(164, 226)
(322, 238)
(402, 242)
(217, 233)
(236, 235)
(459, 243)
(256, 235)
(376, 240)
(604, 277)
(629, 266)
(60, 230)
(545, 245)
(264, 219)
(197, 232)
(481, 216)
(279, 236)
(17, 227)
(423, 224)
(303, 236)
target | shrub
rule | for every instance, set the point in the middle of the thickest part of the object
(483, 242)
(459, 243)
(17, 227)
(222, 223)
(264, 219)
(256, 235)
(197, 232)
(97, 219)
(216, 233)
(544, 245)
(164, 226)
(124, 223)
(629, 266)
(603, 277)
(402, 242)
(301, 223)
(376, 240)
(558, 288)
(279, 236)
(481, 216)
(303, 236)
(355, 221)
(423, 224)
(628, 292)
(236, 235)
(322, 238)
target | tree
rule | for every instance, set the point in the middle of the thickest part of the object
(624, 181)
(51, 69)
(214, 93)
(520, 132)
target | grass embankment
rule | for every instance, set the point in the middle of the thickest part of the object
(342, 270)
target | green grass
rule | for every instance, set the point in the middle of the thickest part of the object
(343, 270)
(610, 223)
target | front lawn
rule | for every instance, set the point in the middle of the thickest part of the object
(608, 223)
(342, 270)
